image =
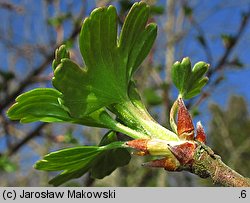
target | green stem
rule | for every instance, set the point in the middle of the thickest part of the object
(112, 124)
(138, 118)
(113, 145)
(130, 132)
(173, 112)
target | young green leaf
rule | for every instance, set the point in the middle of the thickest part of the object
(66, 176)
(134, 96)
(136, 40)
(60, 54)
(69, 159)
(189, 81)
(42, 104)
(109, 160)
(74, 162)
(110, 64)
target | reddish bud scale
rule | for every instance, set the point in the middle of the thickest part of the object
(139, 144)
(185, 127)
(200, 133)
(168, 164)
(184, 152)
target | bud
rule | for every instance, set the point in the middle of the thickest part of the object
(175, 153)
(169, 164)
(200, 133)
(155, 147)
(158, 147)
(139, 144)
(185, 127)
(184, 152)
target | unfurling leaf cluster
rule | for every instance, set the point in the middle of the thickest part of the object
(100, 160)
(87, 95)
(103, 94)
(189, 81)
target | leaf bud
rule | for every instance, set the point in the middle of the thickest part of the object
(185, 127)
(200, 133)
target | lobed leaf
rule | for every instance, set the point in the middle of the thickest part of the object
(136, 40)
(66, 176)
(111, 159)
(42, 104)
(60, 54)
(110, 63)
(75, 162)
(189, 81)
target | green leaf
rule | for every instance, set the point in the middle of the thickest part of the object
(110, 63)
(78, 95)
(189, 81)
(135, 96)
(75, 162)
(60, 54)
(109, 160)
(66, 176)
(42, 104)
(135, 40)
(70, 159)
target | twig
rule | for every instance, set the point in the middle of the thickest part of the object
(203, 42)
(36, 132)
(28, 80)
(223, 59)
(231, 46)
(207, 164)
(11, 7)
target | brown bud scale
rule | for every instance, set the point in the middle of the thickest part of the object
(184, 152)
(185, 127)
(168, 164)
(200, 133)
(139, 144)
